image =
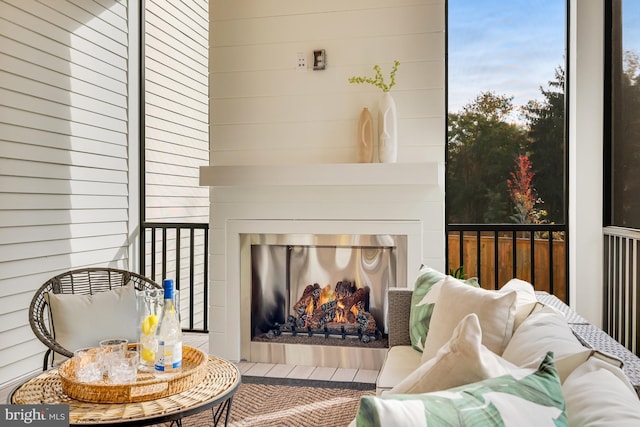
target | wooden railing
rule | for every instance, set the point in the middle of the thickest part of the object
(496, 253)
(180, 251)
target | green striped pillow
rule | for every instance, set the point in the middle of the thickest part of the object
(534, 400)
(425, 293)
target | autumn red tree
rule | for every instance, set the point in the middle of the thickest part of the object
(523, 194)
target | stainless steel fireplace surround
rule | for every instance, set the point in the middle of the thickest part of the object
(275, 269)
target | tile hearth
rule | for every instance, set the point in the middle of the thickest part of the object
(270, 370)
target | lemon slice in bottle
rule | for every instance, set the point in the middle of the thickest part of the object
(148, 355)
(149, 323)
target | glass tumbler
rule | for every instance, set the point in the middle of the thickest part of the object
(112, 348)
(88, 364)
(123, 368)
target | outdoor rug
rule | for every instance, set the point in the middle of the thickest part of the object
(268, 402)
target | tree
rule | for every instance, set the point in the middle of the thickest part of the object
(481, 146)
(523, 195)
(546, 123)
(626, 144)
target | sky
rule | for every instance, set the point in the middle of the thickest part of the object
(512, 47)
(631, 25)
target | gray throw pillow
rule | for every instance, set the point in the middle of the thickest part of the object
(79, 321)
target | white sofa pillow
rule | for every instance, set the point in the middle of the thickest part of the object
(525, 299)
(543, 331)
(84, 320)
(495, 311)
(599, 394)
(462, 360)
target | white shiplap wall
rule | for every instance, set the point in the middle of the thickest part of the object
(177, 134)
(177, 109)
(63, 153)
(265, 111)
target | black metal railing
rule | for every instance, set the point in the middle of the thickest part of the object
(180, 251)
(496, 253)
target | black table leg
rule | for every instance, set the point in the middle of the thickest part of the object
(223, 408)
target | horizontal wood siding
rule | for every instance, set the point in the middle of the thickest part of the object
(264, 111)
(64, 162)
(177, 134)
(177, 109)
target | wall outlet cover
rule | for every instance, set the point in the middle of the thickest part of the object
(301, 61)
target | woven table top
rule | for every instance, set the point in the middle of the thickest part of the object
(220, 382)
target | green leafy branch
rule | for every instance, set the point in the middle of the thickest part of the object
(378, 80)
(458, 273)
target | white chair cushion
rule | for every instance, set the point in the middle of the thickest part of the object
(84, 320)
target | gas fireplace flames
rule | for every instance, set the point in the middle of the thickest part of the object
(325, 311)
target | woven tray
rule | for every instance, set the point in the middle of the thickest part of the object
(146, 387)
(220, 382)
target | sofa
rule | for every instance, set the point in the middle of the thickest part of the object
(462, 355)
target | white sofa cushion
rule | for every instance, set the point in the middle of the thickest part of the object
(462, 360)
(598, 394)
(84, 320)
(495, 311)
(400, 362)
(533, 400)
(525, 299)
(546, 330)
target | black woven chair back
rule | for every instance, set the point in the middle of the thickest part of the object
(85, 281)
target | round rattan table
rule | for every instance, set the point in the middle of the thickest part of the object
(214, 392)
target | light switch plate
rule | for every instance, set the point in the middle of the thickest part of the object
(319, 59)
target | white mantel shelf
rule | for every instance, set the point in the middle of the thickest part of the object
(323, 174)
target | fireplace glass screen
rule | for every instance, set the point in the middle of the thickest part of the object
(323, 289)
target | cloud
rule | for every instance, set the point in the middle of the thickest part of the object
(510, 47)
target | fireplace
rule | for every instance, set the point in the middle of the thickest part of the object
(396, 199)
(321, 295)
(328, 286)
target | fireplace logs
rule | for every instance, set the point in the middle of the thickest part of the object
(339, 311)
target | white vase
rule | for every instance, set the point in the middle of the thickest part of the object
(387, 130)
(365, 137)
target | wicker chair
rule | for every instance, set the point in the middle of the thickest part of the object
(85, 281)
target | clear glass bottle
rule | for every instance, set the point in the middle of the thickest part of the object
(169, 333)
